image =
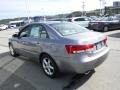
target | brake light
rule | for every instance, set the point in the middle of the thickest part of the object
(71, 49)
(105, 40)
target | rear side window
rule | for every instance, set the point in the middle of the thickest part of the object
(38, 31)
(68, 28)
(35, 31)
(79, 19)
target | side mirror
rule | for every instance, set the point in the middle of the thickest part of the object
(15, 35)
(25, 35)
(20, 28)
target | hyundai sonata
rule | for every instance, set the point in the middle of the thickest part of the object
(60, 47)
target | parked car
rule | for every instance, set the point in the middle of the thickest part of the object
(82, 21)
(117, 15)
(3, 27)
(16, 24)
(105, 24)
(93, 18)
(60, 47)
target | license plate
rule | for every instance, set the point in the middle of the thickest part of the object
(99, 45)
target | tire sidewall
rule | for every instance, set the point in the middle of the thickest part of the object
(14, 55)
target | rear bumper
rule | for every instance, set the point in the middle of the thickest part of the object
(82, 64)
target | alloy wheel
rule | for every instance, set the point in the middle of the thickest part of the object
(105, 29)
(11, 50)
(48, 66)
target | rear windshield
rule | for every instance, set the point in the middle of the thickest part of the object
(68, 28)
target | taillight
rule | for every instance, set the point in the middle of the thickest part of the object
(71, 49)
(105, 40)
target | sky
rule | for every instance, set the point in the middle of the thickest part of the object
(20, 8)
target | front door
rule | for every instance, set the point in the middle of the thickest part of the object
(32, 44)
(22, 37)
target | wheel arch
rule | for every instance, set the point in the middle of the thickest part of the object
(44, 53)
(105, 26)
(9, 43)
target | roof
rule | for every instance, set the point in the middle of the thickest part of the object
(50, 22)
(16, 21)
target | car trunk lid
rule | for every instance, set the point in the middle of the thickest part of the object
(88, 38)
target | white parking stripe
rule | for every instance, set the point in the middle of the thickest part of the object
(3, 49)
(5, 60)
(14, 65)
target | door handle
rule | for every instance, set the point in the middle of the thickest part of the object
(37, 43)
(23, 42)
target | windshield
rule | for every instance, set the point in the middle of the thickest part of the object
(68, 28)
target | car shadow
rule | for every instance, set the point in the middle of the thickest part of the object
(78, 80)
(29, 76)
(116, 35)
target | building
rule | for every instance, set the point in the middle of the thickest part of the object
(38, 18)
(112, 10)
(116, 4)
(116, 7)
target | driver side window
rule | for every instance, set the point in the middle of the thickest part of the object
(25, 32)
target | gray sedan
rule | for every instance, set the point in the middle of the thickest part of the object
(60, 47)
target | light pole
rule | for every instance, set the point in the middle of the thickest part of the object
(27, 10)
(102, 6)
(44, 15)
(83, 8)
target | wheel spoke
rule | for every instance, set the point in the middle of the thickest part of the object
(45, 62)
(48, 62)
(44, 66)
(49, 71)
(51, 67)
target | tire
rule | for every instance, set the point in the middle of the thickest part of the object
(49, 66)
(105, 29)
(12, 51)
